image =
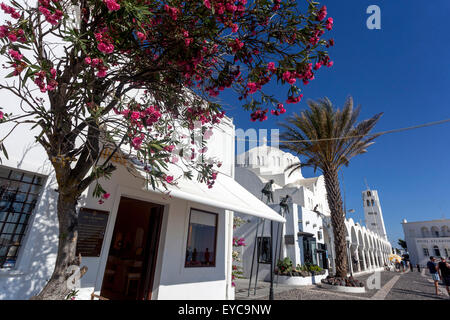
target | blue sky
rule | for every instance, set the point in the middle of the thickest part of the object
(403, 71)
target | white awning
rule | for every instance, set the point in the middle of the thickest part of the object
(225, 194)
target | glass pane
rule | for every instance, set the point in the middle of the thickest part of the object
(16, 175)
(9, 228)
(35, 189)
(24, 187)
(13, 217)
(200, 249)
(28, 178)
(38, 180)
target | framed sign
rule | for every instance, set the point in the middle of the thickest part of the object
(264, 250)
(289, 239)
(91, 231)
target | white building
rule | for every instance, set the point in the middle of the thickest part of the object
(138, 244)
(427, 238)
(308, 234)
(373, 214)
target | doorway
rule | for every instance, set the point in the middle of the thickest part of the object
(130, 268)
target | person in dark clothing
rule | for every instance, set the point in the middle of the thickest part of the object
(432, 267)
(444, 271)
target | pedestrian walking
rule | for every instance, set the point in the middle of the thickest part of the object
(418, 267)
(444, 271)
(432, 267)
(411, 266)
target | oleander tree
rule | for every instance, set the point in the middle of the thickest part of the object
(328, 138)
(131, 75)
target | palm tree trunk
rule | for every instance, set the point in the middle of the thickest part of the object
(57, 287)
(337, 220)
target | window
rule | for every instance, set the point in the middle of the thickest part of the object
(446, 251)
(372, 202)
(374, 224)
(368, 193)
(202, 238)
(437, 252)
(425, 252)
(264, 250)
(19, 193)
(319, 235)
(368, 203)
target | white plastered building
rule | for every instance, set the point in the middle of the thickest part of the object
(152, 246)
(308, 233)
(427, 238)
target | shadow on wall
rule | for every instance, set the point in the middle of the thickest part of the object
(37, 255)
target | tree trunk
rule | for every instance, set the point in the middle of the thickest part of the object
(58, 287)
(337, 220)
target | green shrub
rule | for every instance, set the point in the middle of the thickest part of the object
(285, 265)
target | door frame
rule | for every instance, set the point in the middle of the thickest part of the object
(141, 195)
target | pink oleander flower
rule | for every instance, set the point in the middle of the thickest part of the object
(322, 13)
(112, 5)
(135, 115)
(1, 115)
(105, 48)
(106, 195)
(15, 54)
(253, 87)
(271, 67)
(169, 179)
(329, 24)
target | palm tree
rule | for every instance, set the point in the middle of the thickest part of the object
(328, 139)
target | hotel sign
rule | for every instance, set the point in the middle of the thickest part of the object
(434, 240)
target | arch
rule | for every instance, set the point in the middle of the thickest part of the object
(258, 160)
(425, 232)
(354, 239)
(435, 232)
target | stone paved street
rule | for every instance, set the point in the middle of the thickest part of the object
(393, 286)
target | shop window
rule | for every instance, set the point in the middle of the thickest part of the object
(202, 238)
(264, 252)
(19, 194)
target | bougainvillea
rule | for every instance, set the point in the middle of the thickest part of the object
(142, 78)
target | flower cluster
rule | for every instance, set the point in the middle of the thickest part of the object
(10, 10)
(52, 14)
(104, 44)
(238, 242)
(98, 64)
(46, 81)
(112, 5)
(259, 114)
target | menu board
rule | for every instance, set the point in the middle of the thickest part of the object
(91, 231)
